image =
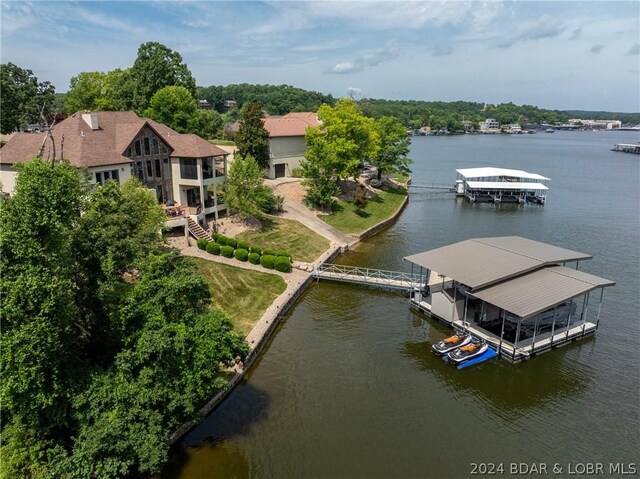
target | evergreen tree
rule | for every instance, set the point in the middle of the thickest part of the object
(252, 139)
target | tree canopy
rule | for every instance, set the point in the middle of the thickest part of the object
(174, 106)
(23, 97)
(252, 139)
(108, 344)
(245, 191)
(392, 156)
(156, 67)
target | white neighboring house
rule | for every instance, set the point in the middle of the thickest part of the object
(181, 169)
(512, 128)
(286, 141)
(490, 125)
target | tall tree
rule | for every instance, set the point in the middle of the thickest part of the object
(156, 67)
(344, 141)
(86, 92)
(394, 147)
(22, 97)
(174, 106)
(252, 139)
(245, 191)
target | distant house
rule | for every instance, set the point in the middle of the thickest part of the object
(115, 145)
(490, 126)
(229, 105)
(286, 141)
(205, 105)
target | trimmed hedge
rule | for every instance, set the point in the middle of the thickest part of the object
(282, 264)
(284, 254)
(202, 243)
(267, 261)
(268, 252)
(254, 258)
(226, 251)
(255, 250)
(213, 248)
(242, 254)
(232, 242)
(222, 240)
(243, 245)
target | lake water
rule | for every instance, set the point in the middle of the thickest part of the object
(349, 387)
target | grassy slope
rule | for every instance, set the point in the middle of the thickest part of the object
(347, 219)
(288, 235)
(243, 294)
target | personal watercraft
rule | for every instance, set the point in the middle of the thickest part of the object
(467, 352)
(451, 343)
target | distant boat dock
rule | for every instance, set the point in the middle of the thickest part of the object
(501, 185)
(627, 148)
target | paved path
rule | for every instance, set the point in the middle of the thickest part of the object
(294, 209)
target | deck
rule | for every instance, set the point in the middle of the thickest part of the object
(526, 347)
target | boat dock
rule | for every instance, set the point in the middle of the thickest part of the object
(501, 185)
(515, 294)
(432, 186)
(627, 148)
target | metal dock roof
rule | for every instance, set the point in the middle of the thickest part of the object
(540, 290)
(490, 171)
(481, 262)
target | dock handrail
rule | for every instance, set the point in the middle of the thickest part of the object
(395, 279)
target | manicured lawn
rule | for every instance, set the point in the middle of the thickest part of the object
(348, 219)
(288, 235)
(243, 294)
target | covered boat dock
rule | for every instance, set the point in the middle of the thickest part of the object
(518, 295)
(501, 185)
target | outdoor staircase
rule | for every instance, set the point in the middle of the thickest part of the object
(196, 230)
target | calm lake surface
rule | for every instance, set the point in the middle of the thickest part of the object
(349, 387)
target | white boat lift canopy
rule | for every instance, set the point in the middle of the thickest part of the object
(491, 172)
(505, 185)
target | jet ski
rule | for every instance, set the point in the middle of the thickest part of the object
(451, 343)
(467, 352)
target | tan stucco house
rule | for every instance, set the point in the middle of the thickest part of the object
(286, 141)
(179, 168)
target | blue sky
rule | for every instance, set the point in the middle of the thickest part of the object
(561, 54)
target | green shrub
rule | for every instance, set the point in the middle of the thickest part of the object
(243, 245)
(267, 261)
(221, 240)
(284, 254)
(226, 251)
(255, 250)
(213, 248)
(242, 254)
(202, 243)
(297, 172)
(269, 252)
(254, 258)
(282, 264)
(232, 242)
(215, 237)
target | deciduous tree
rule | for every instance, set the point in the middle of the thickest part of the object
(394, 147)
(174, 106)
(252, 139)
(245, 191)
(22, 98)
(156, 67)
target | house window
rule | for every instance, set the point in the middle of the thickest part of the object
(207, 168)
(158, 170)
(154, 146)
(164, 149)
(149, 169)
(99, 177)
(137, 146)
(188, 169)
(115, 175)
(128, 152)
(167, 168)
(147, 149)
(103, 176)
(139, 170)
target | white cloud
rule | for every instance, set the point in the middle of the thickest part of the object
(634, 50)
(389, 51)
(545, 27)
(596, 49)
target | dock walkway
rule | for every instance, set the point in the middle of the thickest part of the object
(371, 277)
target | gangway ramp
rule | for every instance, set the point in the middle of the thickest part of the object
(372, 277)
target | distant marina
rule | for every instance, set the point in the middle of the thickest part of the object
(627, 148)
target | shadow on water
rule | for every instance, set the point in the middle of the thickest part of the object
(509, 389)
(209, 446)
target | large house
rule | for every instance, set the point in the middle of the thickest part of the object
(182, 169)
(286, 141)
